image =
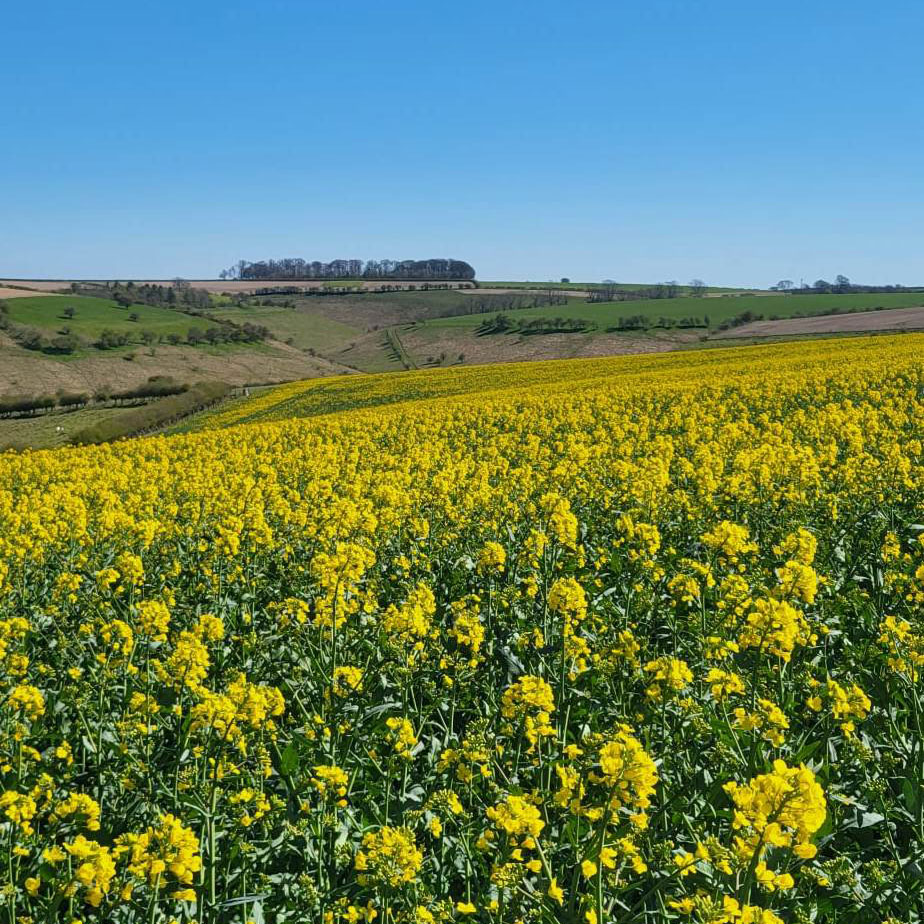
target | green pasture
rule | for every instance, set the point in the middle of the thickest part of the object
(94, 315)
(718, 310)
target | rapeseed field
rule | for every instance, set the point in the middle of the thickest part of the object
(624, 640)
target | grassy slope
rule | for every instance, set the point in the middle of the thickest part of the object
(26, 372)
(351, 329)
(50, 430)
(304, 327)
(386, 308)
(359, 313)
(348, 329)
(94, 315)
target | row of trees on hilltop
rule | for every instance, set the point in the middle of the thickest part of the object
(610, 291)
(180, 294)
(841, 286)
(297, 268)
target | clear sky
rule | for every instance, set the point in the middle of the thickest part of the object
(740, 141)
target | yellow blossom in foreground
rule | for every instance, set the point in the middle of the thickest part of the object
(168, 847)
(389, 857)
(779, 809)
(26, 699)
(347, 680)
(517, 817)
(94, 868)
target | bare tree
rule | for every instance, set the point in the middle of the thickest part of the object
(698, 287)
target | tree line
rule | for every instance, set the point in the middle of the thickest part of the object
(155, 415)
(157, 386)
(350, 287)
(298, 268)
(179, 295)
(219, 332)
(841, 286)
(609, 291)
(503, 323)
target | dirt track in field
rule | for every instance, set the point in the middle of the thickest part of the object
(6, 292)
(857, 322)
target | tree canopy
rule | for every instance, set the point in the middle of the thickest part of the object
(298, 268)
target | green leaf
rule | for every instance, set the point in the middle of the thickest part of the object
(288, 761)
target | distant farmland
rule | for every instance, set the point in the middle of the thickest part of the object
(892, 319)
(717, 310)
(381, 331)
(378, 332)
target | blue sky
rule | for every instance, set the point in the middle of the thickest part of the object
(642, 140)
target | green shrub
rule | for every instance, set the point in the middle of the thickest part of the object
(153, 415)
(25, 404)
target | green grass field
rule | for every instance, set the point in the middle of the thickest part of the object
(359, 311)
(49, 430)
(718, 310)
(382, 309)
(94, 315)
(304, 327)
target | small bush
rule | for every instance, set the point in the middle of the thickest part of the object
(110, 339)
(63, 343)
(73, 399)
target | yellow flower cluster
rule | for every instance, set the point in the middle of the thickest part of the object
(779, 809)
(517, 818)
(401, 736)
(904, 645)
(531, 701)
(167, 848)
(330, 782)
(668, 676)
(492, 557)
(628, 774)
(767, 718)
(845, 703)
(389, 856)
(776, 628)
